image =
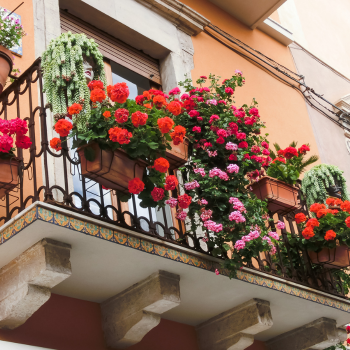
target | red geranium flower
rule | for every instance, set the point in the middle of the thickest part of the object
(345, 206)
(347, 221)
(174, 107)
(63, 127)
(330, 235)
(314, 208)
(243, 144)
(338, 202)
(138, 118)
(322, 212)
(139, 99)
(95, 84)
(165, 124)
(171, 182)
(55, 143)
(178, 134)
(281, 152)
(159, 101)
(157, 194)
(161, 165)
(308, 233)
(189, 105)
(184, 201)
(303, 149)
(17, 126)
(299, 218)
(279, 159)
(290, 152)
(107, 114)
(97, 95)
(330, 201)
(119, 135)
(121, 115)
(312, 223)
(6, 143)
(23, 141)
(136, 186)
(118, 92)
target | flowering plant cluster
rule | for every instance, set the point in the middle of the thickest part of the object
(142, 128)
(11, 31)
(328, 228)
(289, 163)
(227, 150)
(10, 129)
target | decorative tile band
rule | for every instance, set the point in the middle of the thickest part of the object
(56, 218)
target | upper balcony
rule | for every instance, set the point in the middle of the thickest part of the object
(115, 244)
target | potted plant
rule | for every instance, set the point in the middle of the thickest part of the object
(9, 164)
(10, 34)
(226, 146)
(282, 174)
(320, 181)
(121, 139)
(69, 63)
(326, 237)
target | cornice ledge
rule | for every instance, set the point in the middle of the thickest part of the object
(183, 16)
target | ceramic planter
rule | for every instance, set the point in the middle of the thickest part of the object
(111, 169)
(178, 155)
(336, 258)
(281, 197)
(6, 65)
(8, 175)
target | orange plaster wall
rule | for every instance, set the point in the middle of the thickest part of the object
(281, 107)
(23, 63)
(71, 324)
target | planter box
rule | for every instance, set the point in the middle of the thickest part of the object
(8, 175)
(6, 65)
(178, 155)
(336, 258)
(111, 169)
(281, 197)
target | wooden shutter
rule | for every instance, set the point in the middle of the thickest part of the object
(113, 48)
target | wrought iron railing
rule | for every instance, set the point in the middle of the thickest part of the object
(55, 178)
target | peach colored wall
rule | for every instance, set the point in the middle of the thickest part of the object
(70, 324)
(24, 62)
(281, 107)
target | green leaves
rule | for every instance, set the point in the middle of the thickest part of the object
(89, 154)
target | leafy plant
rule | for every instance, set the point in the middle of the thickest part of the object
(289, 163)
(11, 31)
(317, 180)
(64, 75)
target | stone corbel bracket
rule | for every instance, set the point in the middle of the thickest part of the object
(235, 328)
(26, 281)
(318, 335)
(130, 315)
(184, 18)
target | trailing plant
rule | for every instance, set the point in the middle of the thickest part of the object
(10, 129)
(289, 163)
(64, 74)
(227, 149)
(316, 181)
(142, 128)
(11, 31)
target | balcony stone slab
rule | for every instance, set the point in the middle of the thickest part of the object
(131, 314)
(26, 281)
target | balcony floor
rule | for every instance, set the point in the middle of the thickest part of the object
(106, 260)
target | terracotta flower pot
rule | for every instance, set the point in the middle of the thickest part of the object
(6, 65)
(178, 155)
(336, 258)
(8, 175)
(111, 169)
(281, 197)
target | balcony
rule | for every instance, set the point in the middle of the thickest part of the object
(114, 246)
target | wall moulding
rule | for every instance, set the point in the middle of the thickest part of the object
(181, 15)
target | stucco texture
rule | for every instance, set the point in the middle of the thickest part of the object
(281, 107)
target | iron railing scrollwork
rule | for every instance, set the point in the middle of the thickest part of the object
(55, 178)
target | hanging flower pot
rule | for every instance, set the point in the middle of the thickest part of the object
(281, 197)
(6, 66)
(178, 155)
(111, 169)
(336, 258)
(8, 175)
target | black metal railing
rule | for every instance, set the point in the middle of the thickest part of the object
(55, 178)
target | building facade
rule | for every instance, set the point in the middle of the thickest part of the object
(75, 275)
